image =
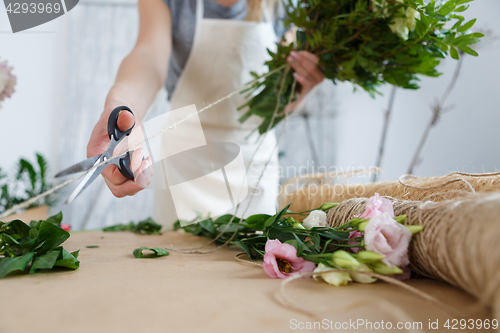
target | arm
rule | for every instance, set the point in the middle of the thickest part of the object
(140, 76)
(307, 74)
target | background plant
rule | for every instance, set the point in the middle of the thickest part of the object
(28, 181)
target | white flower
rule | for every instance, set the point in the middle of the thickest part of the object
(411, 18)
(403, 20)
(4, 78)
(7, 81)
(398, 26)
(317, 218)
(333, 278)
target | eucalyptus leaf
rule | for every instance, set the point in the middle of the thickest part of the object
(68, 260)
(45, 261)
(39, 242)
(9, 264)
(157, 252)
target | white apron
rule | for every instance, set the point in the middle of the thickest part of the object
(223, 54)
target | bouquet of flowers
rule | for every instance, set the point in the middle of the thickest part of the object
(366, 42)
(7, 81)
(374, 242)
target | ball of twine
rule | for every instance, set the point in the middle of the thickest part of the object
(459, 243)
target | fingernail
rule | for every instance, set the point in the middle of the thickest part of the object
(293, 54)
(290, 59)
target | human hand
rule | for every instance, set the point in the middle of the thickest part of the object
(307, 73)
(99, 142)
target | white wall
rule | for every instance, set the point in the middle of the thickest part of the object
(466, 139)
(30, 120)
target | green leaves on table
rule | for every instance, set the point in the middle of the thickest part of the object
(38, 243)
(157, 252)
(145, 227)
(251, 234)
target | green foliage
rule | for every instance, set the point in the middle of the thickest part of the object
(321, 245)
(157, 252)
(252, 233)
(38, 243)
(28, 181)
(355, 42)
(145, 227)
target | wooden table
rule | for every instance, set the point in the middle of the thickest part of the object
(115, 292)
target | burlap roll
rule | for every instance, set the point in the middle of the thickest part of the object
(311, 191)
(460, 243)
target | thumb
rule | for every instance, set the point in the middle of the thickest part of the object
(125, 120)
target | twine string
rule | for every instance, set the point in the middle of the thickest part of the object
(228, 241)
(42, 195)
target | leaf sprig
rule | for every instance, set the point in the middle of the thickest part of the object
(366, 42)
(145, 227)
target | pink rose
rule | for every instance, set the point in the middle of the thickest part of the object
(354, 234)
(376, 206)
(281, 261)
(387, 237)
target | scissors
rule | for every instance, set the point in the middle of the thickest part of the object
(123, 162)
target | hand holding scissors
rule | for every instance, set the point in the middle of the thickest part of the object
(122, 162)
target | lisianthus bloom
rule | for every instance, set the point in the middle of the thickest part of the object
(65, 226)
(354, 234)
(281, 261)
(334, 278)
(376, 206)
(316, 218)
(385, 236)
(7, 81)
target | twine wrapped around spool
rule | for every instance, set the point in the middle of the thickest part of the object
(459, 244)
(313, 190)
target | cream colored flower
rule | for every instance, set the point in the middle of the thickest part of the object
(316, 218)
(402, 22)
(334, 278)
(399, 27)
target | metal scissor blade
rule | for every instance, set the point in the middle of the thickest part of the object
(79, 167)
(87, 180)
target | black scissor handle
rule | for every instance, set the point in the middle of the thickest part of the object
(113, 127)
(124, 165)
